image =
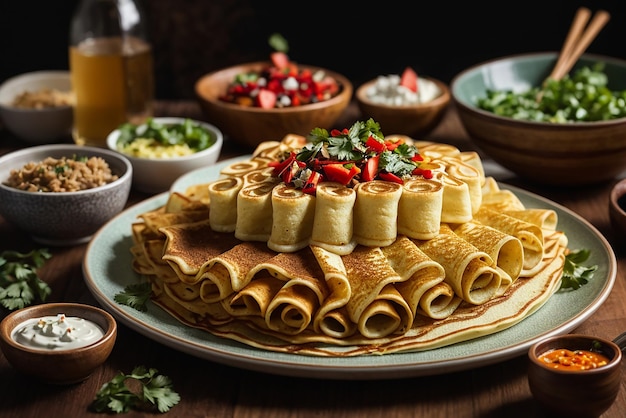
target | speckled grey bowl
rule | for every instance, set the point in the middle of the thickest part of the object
(63, 218)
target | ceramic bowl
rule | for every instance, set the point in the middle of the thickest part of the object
(37, 126)
(412, 120)
(155, 175)
(61, 365)
(252, 125)
(63, 218)
(564, 154)
(617, 207)
(571, 393)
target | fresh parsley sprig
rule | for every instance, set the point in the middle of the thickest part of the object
(135, 295)
(20, 285)
(156, 391)
(575, 274)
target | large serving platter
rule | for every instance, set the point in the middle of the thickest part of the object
(107, 271)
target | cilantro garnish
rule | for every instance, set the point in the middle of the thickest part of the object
(135, 295)
(20, 285)
(156, 391)
(576, 275)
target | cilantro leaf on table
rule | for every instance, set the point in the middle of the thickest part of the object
(135, 295)
(576, 275)
(156, 391)
(20, 285)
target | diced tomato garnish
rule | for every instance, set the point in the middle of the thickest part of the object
(390, 177)
(339, 173)
(426, 173)
(370, 171)
(311, 184)
(375, 145)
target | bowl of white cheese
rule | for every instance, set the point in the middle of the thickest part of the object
(412, 108)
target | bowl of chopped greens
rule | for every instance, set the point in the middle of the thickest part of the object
(568, 132)
(163, 149)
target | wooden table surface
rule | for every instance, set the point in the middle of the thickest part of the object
(211, 389)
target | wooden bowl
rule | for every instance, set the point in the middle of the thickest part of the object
(561, 154)
(411, 120)
(58, 366)
(617, 208)
(582, 393)
(253, 125)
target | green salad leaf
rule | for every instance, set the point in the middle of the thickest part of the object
(188, 132)
(135, 295)
(581, 97)
(20, 285)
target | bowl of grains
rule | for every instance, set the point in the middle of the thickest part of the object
(37, 107)
(61, 194)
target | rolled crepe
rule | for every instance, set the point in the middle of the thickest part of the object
(377, 309)
(419, 209)
(254, 212)
(419, 275)
(530, 235)
(469, 175)
(332, 318)
(260, 175)
(546, 219)
(504, 249)
(457, 202)
(292, 221)
(473, 158)
(469, 271)
(253, 299)
(333, 219)
(223, 197)
(239, 168)
(376, 213)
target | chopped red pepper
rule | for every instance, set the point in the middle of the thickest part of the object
(375, 145)
(390, 177)
(426, 173)
(311, 184)
(340, 173)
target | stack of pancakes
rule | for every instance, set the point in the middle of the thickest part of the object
(377, 268)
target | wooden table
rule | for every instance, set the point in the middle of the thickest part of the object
(210, 389)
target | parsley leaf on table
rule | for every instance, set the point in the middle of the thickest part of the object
(135, 295)
(574, 274)
(156, 391)
(20, 285)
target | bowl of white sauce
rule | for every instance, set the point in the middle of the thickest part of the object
(58, 343)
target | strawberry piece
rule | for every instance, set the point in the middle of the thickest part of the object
(409, 79)
(266, 99)
(279, 59)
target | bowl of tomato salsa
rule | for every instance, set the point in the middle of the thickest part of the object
(575, 375)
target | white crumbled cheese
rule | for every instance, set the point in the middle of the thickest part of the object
(290, 83)
(387, 90)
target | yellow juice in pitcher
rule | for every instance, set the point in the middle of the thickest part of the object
(113, 84)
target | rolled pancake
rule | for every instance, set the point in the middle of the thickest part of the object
(334, 201)
(332, 318)
(292, 220)
(261, 175)
(506, 250)
(469, 271)
(438, 302)
(473, 158)
(499, 199)
(190, 247)
(229, 271)
(155, 220)
(376, 213)
(254, 298)
(469, 175)
(292, 309)
(254, 212)
(376, 314)
(419, 274)
(239, 168)
(178, 202)
(223, 197)
(546, 219)
(419, 209)
(530, 235)
(457, 202)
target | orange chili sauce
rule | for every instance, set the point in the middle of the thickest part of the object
(563, 359)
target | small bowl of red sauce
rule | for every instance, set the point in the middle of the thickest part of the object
(575, 375)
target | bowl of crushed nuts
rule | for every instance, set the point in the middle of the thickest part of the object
(61, 194)
(37, 107)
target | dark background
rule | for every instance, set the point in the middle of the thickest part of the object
(192, 37)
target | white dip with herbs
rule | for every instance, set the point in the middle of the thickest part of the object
(387, 90)
(57, 333)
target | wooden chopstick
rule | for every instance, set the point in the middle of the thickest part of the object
(577, 41)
